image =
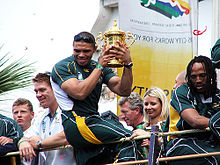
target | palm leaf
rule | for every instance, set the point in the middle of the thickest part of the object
(15, 74)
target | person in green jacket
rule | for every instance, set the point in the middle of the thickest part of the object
(197, 103)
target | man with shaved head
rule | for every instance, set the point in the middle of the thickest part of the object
(180, 79)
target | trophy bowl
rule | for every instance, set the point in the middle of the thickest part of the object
(110, 38)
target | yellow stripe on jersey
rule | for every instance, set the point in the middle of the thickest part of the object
(174, 118)
(85, 131)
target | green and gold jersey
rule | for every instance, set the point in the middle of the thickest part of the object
(182, 99)
(67, 69)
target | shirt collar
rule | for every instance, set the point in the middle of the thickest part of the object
(139, 126)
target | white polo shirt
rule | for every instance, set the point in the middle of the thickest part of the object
(47, 126)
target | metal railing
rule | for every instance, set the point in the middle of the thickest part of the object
(155, 134)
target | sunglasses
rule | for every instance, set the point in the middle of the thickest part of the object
(83, 38)
(84, 51)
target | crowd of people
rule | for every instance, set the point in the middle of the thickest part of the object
(70, 96)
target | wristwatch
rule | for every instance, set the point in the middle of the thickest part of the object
(129, 65)
(39, 143)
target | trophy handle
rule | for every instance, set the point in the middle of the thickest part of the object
(99, 37)
(132, 37)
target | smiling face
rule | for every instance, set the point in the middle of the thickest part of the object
(83, 52)
(152, 107)
(198, 77)
(23, 116)
(44, 94)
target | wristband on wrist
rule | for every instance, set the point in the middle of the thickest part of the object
(98, 66)
(21, 141)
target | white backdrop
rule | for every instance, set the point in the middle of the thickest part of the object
(43, 31)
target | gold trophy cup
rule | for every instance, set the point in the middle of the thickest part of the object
(110, 38)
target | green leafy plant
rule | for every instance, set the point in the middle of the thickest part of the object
(14, 74)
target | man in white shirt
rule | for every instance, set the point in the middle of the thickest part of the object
(46, 125)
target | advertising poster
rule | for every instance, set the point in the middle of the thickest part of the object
(163, 30)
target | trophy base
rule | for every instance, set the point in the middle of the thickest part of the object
(114, 64)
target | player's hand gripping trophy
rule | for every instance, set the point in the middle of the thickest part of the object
(110, 38)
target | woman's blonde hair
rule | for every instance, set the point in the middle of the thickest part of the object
(158, 93)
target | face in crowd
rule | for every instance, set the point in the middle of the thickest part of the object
(22, 115)
(201, 76)
(128, 115)
(152, 106)
(198, 77)
(83, 48)
(180, 79)
(44, 94)
(83, 52)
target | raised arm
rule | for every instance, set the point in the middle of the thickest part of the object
(122, 86)
(81, 89)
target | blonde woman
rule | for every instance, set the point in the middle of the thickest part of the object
(156, 111)
(156, 107)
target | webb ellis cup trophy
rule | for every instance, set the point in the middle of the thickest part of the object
(110, 37)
